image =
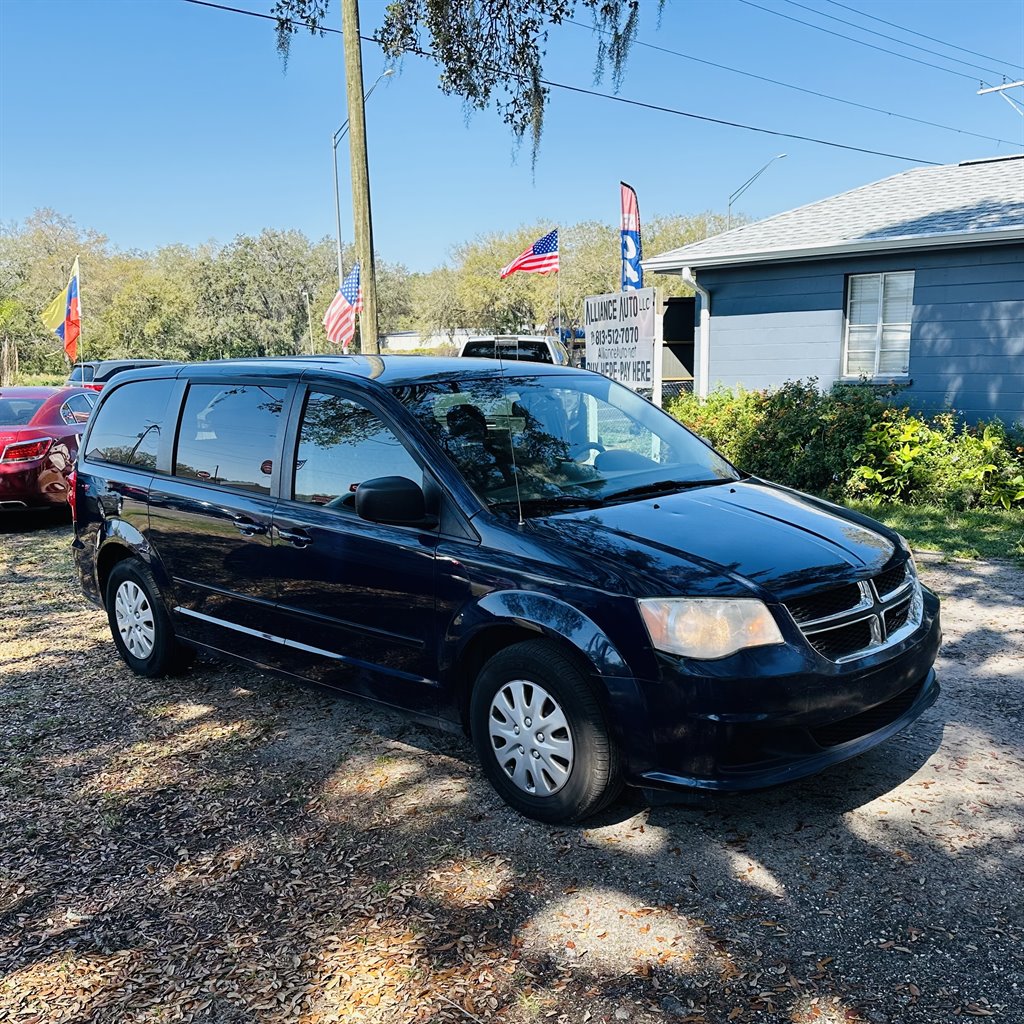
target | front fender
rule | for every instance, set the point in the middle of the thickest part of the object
(557, 620)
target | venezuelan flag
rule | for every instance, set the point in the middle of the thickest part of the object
(64, 315)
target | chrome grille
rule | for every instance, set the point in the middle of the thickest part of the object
(848, 622)
(824, 603)
(890, 580)
(896, 616)
(842, 641)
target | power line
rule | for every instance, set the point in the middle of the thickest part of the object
(862, 42)
(270, 17)
(800, 88)
(894, 39)
(737, 124)
(913, 32)
(609, 96)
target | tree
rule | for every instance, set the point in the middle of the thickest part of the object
(35, 263)
(485, 49)
(434, 304)
(470, 294)
(148, 315)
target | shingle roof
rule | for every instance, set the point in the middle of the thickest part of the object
(980, 199)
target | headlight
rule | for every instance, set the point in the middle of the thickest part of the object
(911, 561)
(708, 627)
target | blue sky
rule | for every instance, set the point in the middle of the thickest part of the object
(155, 121)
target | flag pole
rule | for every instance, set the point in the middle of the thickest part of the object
(558, 289)
(81, 343)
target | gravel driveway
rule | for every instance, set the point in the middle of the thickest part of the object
(227, 847)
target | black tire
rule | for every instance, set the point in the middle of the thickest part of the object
(593, 774)
(166, 656)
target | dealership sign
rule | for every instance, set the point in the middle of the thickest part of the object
(620, 330)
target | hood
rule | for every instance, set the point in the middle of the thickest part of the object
(727, 538)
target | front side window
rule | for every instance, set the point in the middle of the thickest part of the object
(559, 441)
(128, 424)
(879, 312)
(341, 443)
(228, 435)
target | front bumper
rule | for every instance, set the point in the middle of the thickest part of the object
(730, 732)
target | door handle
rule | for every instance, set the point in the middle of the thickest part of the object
(248, 527)
(299, 538)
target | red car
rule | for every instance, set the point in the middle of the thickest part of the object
(39, 432)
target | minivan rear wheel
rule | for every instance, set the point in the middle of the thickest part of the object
(139, 622)
(541, 734)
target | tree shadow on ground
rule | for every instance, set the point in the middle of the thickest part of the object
(226, 847)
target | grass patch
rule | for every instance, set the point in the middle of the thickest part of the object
(55, 380)
(978, 533)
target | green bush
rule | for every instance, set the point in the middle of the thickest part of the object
(850, 442)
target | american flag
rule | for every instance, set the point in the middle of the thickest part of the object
(539, 258)
(340, 318)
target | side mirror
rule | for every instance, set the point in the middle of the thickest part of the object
(390, 499)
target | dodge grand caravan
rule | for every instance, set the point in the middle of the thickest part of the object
(533, 554)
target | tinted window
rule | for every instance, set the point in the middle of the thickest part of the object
(128, 424)
(228, 435)
(341, 444)
(76, 409)
(16, 412)
(81, 373)
(534, 351)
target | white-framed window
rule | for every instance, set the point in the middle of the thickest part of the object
(879, 310)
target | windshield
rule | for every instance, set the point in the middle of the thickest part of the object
(81, 373)
(567, 440)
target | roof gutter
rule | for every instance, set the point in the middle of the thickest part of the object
(670, 263)
(703, 366)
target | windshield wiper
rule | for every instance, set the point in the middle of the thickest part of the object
(665, 487)
(557, 502)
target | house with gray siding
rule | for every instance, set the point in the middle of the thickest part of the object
(917, 279)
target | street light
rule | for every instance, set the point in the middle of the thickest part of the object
(335, 139)
(743, 188)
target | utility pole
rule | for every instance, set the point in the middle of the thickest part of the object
(360, 174)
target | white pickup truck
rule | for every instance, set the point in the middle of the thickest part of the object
(528, 347)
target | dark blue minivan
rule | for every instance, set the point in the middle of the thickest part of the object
(532, 553)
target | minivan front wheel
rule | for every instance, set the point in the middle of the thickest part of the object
(139, 622)
(541, 734)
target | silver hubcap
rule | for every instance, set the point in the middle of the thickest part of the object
(135, 620)
(531, 738)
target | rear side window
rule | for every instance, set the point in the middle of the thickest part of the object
(533, 351)
(81, 373)
(228, 435)
(129, 422)
(77, 408)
